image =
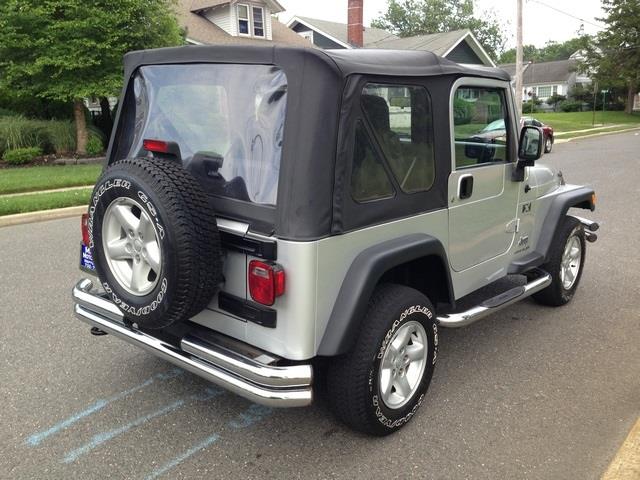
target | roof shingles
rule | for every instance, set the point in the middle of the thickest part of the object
(339, 31)
(558, 71)
(201, 30)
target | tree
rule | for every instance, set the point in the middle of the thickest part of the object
(550, 52)
(418, 17)
(614, 58)
(68, 50)
(529, 53)
(554, 100)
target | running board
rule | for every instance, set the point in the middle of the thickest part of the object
(492, 305)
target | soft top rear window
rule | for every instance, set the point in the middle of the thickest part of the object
(227, 119)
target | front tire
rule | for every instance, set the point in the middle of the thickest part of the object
(380, 384)
(566, 262)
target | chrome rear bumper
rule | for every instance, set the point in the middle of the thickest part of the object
(275, 386)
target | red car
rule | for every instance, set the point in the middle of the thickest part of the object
(546, 130)
(496, 131)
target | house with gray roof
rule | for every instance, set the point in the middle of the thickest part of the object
(459, 45)
(545, 79)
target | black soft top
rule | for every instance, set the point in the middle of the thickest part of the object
(323, 107)
(416, 63)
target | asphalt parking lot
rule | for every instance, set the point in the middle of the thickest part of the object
(531, 392)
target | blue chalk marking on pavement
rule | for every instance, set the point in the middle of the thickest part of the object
(250, 416)
(101, 438)
(39, 437)
(181, 458)
(207, 394)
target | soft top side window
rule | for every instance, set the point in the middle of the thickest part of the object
(369, 179)
(481, 132)
(400, 117)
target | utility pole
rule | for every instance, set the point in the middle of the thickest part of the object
(519, 59)
(595, 96)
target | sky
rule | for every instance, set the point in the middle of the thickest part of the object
(541, 22)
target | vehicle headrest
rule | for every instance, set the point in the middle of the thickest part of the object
(377, 110)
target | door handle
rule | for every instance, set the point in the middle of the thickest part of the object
(465, 186)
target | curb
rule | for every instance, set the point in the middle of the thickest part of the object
(565, 140)
(42, 215)
(626, 464)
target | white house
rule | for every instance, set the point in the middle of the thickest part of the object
(545, 79)
(234, 22)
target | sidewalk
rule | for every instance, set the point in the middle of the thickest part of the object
(593, 129)
(37, 192)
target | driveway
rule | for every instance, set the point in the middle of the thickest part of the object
(531, 392)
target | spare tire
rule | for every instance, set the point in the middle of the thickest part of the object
(154, 241)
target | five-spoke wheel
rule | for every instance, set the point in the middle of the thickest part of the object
(132, 246)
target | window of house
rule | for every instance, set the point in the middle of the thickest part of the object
(480, 129)
(243, 19)
(369, 179)
(555, 89)
(544, 92)
(258, 21)
(401, 120)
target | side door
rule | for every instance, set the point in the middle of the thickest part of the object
(482, 197)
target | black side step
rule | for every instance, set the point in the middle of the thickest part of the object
(505, 297)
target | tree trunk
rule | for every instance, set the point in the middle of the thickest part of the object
(81, 126)
(631, 93)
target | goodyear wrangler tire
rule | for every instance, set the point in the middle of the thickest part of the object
(154, 241)
(565, 264)
(380, 384)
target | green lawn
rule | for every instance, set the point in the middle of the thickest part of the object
(571, 121)
(32, 179)
(44, 201)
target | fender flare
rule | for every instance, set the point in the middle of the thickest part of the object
(361, 279)
(581, 197)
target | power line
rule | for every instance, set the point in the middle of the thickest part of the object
(568, 14)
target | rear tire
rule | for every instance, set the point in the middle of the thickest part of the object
(566, 262)
(548, 145)
(380, 384)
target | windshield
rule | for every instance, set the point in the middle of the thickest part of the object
(228, 121)
(495, 125)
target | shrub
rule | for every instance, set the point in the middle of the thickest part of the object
(94, 145)
(20, 156)
(571, 106)
(62, 135)
(401, 102)
(50, 135)
(462, 111)
(5, 112)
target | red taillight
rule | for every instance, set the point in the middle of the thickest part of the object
(158, 146)
(85, 229)
(266, 282)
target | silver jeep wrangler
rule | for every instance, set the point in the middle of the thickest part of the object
(274, 219)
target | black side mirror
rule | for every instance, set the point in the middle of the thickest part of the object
(530, 146)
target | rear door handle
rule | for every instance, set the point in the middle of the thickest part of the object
(465, 186)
